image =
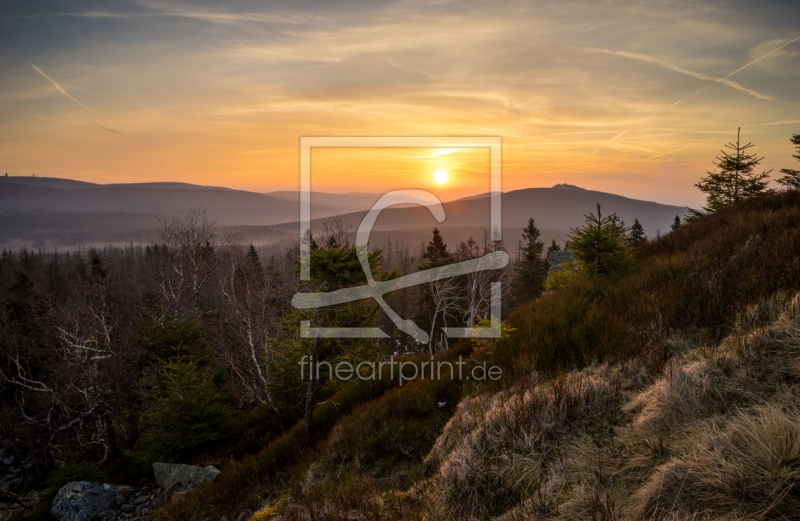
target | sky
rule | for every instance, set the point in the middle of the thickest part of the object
(634, 98)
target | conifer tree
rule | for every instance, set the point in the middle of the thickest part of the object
(675, 223)
(530, 270)
(435, 255)
(600, 244)
(636, 236)
(791, 179)
(189, 412)
(736, 179)
(550, 249)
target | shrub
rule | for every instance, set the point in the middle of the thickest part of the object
(690, 282)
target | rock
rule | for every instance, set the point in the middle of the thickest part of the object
(83, 501)
(127, 508)
(171, 476)
(123, 494)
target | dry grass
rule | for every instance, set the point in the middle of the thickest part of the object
(715, 436)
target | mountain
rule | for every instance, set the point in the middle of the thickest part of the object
(559, 208)
(72, 212)
(227, 206)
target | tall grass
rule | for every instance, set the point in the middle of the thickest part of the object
(713, 435)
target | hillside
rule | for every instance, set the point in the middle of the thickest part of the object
(669, 392)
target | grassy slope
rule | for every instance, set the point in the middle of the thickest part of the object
(670, 383)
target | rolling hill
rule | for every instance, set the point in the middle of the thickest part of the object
(68, 212)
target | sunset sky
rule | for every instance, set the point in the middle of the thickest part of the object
(635, 98)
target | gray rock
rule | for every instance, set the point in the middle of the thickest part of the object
(84, 501)
(123, 494)
(171, 476)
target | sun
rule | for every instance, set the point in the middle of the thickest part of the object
(441, 176)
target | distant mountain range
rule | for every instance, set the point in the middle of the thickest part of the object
(48, 208)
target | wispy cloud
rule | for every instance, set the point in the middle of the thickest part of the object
(699, 75)
(748, 65)
(59, 88)
(207, 16)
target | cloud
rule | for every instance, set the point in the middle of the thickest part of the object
(699, 75)
(59, 88)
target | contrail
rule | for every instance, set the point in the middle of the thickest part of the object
(746, 66)
(107, 129)
(678, 149)
(618, 136)
(59, 88)
(699, 75)
(787, 122)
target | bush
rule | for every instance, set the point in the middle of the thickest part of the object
(690, 282)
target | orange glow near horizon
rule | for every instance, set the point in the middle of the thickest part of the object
(382, 169)
(578, 93)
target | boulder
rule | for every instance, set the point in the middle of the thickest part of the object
(85, 501)
(174, 476)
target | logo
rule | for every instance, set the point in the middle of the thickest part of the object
(376, 290)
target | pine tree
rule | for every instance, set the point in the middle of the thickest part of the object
(550, 249)
(254, 264)
(436, 253)
(530, 270)
(188, 414)
(600, 244)
(791, 179)
(636, 236)
(736, 179)
(675, 224)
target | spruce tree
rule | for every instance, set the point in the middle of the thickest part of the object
(791, 179)
(550, 249)
(188, 414)
(530, 270)
(736, 179)
(636, 236)
(675, 224)
(600, 244)
(436, 253)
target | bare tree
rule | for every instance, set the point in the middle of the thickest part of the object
(251, 304)
(184, 262)
(447, 301)
(335, 232)
(67, 391)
